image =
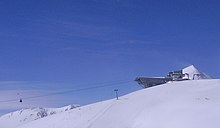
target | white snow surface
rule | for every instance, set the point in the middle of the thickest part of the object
(194, 73)
(14, 119)
(184, 104)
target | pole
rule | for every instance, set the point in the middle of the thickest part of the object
(116, 92)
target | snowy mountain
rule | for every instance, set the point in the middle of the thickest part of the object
(24, 116)
(194, 73)
(182, 104)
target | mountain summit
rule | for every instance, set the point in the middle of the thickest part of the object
(194, 73)
(21, 117)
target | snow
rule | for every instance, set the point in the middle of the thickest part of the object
(194, 73)
(182, 104)
(24, 116)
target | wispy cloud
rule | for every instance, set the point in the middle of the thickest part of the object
(134, 42)
(66, 28)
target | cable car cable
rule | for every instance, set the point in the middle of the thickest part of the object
(68, 91)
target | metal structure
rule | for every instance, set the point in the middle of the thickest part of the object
(178, 75)
(147, 82)
(116, 93)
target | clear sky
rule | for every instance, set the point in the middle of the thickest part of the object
(52, 45)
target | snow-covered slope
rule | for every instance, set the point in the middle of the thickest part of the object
(24, 116)
(194, 73)
(185, 104)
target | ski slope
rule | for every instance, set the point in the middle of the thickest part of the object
(184, 104)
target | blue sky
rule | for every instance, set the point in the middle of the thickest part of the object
(65, 44)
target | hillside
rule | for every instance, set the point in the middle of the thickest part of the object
(14, 119)
(185, 104)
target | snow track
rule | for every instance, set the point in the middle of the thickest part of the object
(99, 115)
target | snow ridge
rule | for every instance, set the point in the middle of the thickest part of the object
(13, 119)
